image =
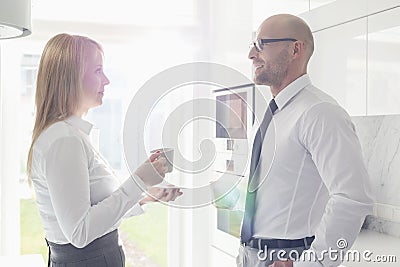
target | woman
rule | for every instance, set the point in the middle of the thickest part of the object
(80, 200)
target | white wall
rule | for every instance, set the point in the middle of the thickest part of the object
(9, 157)
(1, 167)
(230, 34)
(225, 35)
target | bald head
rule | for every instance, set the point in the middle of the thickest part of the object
(288, 26)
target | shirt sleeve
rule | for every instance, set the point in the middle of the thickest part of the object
(136, 210)
(67, 174)
(329, 135)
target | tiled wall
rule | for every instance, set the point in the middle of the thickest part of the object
(356, 56)
(380, 141)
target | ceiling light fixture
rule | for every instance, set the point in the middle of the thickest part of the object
(15, 18)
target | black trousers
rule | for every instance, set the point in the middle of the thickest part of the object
(102, 252)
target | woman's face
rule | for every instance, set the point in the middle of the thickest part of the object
(94, 81)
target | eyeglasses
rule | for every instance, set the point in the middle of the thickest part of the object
(259, 44)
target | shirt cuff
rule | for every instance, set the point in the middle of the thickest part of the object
(134, 187)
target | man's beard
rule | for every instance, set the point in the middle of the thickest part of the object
(273, 73)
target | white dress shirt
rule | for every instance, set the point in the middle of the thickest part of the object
(78, 195)
(315, 179)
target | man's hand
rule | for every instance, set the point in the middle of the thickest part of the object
(287, 263)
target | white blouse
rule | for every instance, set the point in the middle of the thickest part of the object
(78, 195)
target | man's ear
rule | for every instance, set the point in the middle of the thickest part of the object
(296, 48)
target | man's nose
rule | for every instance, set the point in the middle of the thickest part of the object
(252, 53)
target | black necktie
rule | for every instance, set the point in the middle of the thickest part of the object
(247, 224)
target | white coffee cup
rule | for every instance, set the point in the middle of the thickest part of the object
(168, 154)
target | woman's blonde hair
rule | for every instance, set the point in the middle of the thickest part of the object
(59, 81)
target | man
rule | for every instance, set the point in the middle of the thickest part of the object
(311, 191)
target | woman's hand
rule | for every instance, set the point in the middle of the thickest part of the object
(156, 194)
(153, 170)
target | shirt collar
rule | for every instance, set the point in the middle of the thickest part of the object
(291, 90)
(79, 123)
